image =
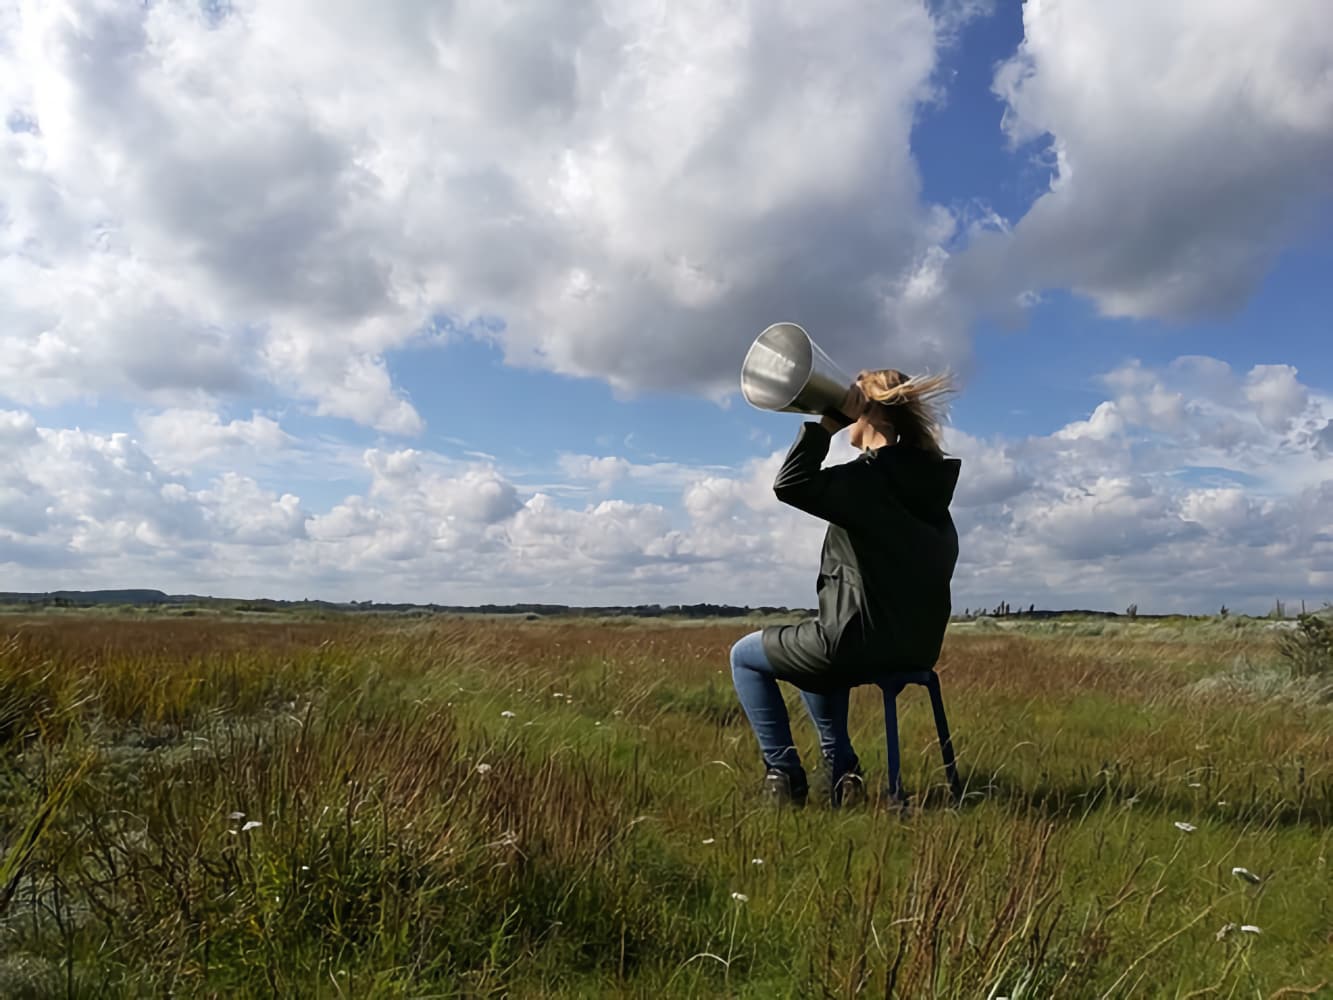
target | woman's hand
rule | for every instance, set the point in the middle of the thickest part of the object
(853, 405)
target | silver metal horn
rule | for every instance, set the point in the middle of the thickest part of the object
(785, 370)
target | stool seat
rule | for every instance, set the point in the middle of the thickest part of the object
(892, 685)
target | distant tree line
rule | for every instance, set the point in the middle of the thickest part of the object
(157, 598)
(143, 598)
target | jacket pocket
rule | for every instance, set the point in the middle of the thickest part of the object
(840, 614)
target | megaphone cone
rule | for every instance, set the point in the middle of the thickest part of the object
(785, 371)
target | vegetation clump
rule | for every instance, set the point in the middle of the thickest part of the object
(1309, 647)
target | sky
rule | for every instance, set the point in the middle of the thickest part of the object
(446, 301)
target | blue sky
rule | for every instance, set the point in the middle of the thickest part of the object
(226, 369)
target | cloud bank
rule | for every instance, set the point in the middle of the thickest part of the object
(1190, 485)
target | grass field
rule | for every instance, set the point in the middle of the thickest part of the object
(233, 808)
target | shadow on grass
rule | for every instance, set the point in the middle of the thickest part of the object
(1307, 805)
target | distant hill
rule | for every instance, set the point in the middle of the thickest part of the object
(60, 598)
(157, 598)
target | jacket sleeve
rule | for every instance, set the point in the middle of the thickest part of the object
(801, 483)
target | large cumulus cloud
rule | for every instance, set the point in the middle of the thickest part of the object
(205, 199)
(1187, 143)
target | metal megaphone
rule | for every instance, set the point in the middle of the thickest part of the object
(785, 370)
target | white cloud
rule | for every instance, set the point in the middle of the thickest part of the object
(605, 471)
(1181, 493)
(204, 200)
(1103, 519)
(1277, 396)
(180, 439)
(993, 475)
(1198, 411)
(1105, 423)
(16, 427)
(1186, 141)
(249, 515)
(609, 471)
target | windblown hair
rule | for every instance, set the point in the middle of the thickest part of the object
(914, 406)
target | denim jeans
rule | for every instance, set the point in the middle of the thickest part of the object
(761, 698)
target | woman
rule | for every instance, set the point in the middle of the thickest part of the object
(888, 557)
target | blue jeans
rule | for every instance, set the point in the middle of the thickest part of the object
(760, 697)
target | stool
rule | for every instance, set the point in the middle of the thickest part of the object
(892, 685)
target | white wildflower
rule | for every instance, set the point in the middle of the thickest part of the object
(1247, 875)
(236, 815)
(740, 897)
(1223, 931)
(1185, 827)
(1195, 784)
(756, 861)
(710, 840)
(1249, 929)
(506, 714)
(250, 824)
(483, 768)
(305, 868)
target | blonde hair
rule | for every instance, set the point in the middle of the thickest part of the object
(914, 406)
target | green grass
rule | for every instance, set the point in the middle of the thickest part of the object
(415, 840)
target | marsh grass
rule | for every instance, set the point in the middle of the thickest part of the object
(209, 808)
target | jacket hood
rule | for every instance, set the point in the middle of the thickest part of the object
(924, 483)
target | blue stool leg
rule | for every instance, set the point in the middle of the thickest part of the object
(891, 741)
(946, 742)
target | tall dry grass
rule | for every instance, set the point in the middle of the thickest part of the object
(476, 808)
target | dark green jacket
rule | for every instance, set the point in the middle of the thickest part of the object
(888, 557)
